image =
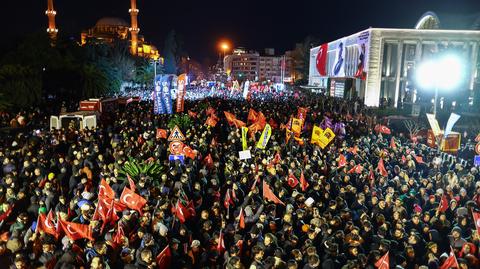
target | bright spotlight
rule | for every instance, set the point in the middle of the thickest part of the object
(426, 74)
(444, 73)
(450, 73)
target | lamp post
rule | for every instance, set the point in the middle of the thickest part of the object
(441, 73)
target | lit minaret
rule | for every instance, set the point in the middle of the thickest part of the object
(52, 31)
(134, 25)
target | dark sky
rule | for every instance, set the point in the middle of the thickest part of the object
(248, 23)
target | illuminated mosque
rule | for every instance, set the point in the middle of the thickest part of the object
(109, 29)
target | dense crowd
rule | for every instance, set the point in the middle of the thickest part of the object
(346, 213)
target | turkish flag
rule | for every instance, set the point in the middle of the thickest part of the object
(382, 129)
(303, 182)
(381, 168)
(189, 152)
(228, 199)
(191, 212)
(392, 143)
(208, 161)
(450, 262)
(342, 161)
(269, 195)
(132, 200)
(180, 211)
(241, 219)
(356, 169)
(476, 218)
(75, 231)
(292, 181)
(161, 133)
(384, 262)
(252, 115)
(443, 206)
(164, 258)
(104, 190)
(117, 239)
(221, 243)
(45, 223)
(131, 182)
(321, 60)
(101, 212)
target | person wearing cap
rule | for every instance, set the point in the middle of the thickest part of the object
(195, 253)
(455, 239)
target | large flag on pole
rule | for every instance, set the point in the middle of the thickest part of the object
(269, 195)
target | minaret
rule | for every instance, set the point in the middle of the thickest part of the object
(134, 25)
(52, 31)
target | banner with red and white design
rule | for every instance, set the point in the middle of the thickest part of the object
(181, 89)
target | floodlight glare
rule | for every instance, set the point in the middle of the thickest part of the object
(450, 73)
(426, 74)
(444, 73)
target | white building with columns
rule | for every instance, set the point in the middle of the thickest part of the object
(378, 65)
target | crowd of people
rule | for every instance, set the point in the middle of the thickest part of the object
(210, 211)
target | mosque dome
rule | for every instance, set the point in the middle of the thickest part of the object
(111, 21)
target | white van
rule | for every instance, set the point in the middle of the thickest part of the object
(78, 120)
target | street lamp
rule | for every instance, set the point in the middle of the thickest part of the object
(443, 73)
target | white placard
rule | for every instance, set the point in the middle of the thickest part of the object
(244, 154)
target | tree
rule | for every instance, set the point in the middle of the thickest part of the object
(413, 127)
(94, 81)
(301, 58)
(20, 85)
(169, 52)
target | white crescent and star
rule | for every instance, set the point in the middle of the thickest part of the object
(124, 200)
(47, 223)
(70, 230)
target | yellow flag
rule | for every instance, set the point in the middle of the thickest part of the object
(267, 132)
(296, 126)
(327, 136)
(244, 138)
(316, 133)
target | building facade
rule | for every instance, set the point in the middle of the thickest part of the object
(378, 65)
(243, 64)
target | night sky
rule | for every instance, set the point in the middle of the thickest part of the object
(253, 24)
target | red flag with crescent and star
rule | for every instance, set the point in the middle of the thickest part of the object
(45, 223)
(132, 200)
(105, 190)
(75, 231)
(164, 258)
(292, 180)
